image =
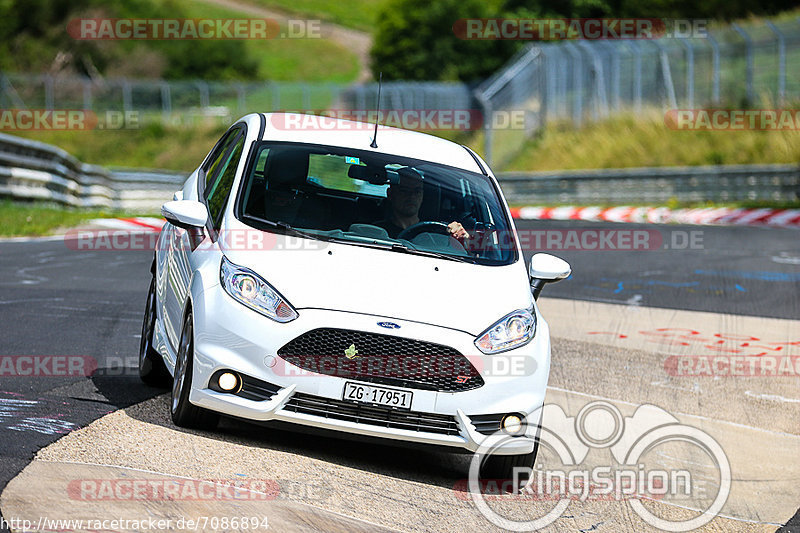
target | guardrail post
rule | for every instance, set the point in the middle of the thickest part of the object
(601, 101)
(276, 97)
(49, 97)
(126, 96)
(613, 54)
(240, 98)
(166, 101)
(637, 75)
(306, 97)
(748, 43)
(3, 91)
(781, 61)
(715, 68)
(667, 75)
(203, 87)
(487, 126)
(577, 90)
(689, 72)
(87, 94)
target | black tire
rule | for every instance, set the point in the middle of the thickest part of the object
(184, 414)
(151, 366)
(502, 466)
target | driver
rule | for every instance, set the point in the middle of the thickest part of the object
(405, 199)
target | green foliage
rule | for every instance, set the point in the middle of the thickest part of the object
(414, 40)
(33, 37)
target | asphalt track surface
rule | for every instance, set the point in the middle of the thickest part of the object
(57, 301)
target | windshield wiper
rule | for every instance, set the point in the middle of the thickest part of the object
(284, 227)
(402, 248)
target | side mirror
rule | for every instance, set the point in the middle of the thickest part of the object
(186, 214)
(546, 268)
(178, 196)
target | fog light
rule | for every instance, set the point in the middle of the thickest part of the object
(512, 424)
(228, 381)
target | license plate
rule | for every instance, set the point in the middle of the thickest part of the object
(377, 395)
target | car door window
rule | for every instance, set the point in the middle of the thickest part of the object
(217, 194)
(217, 157)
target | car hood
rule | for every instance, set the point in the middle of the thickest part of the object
(388, 284)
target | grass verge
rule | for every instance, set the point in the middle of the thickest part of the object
(180, 148)
(644, 141)
(356, 14)
(306, 59)
(30, 219)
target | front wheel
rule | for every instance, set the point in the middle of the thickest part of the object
(184, 414)
(151, 366)
(502, 466)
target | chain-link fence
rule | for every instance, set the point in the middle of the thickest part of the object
(577, 81)
(182, 101)
(168, 101)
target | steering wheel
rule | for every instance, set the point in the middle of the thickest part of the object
(427, 226)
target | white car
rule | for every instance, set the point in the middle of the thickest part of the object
(371, 284)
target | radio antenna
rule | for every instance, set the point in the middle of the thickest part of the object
(377, 113)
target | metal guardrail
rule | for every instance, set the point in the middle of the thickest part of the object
(653, 185)
(34, 170)
(38, 171)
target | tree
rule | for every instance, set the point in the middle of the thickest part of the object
(414, 40)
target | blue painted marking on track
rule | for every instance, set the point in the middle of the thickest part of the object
(746, 274)
(620, 288)
(740, 288)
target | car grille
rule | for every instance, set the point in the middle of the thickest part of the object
(382, 359)
(257, 390)
(372, 415)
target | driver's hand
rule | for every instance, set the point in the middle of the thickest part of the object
(458, 231)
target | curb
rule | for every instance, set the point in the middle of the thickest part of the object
(726, 216)
(133, 224)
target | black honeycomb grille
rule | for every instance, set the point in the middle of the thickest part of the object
(385, 359)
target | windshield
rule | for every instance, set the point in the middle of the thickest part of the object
(372, 199)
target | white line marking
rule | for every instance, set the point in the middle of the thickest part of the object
(770, 397)
(735, 424)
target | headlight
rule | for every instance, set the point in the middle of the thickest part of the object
(251, 290)
(512, 331)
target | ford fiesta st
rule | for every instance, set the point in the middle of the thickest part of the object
(368, 283)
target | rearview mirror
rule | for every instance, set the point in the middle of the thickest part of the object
(186, 214)
(546, 268)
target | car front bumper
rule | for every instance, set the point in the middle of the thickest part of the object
(229, 336)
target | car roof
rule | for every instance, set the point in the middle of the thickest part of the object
(313, 129)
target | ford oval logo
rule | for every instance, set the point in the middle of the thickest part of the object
(389, 325)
